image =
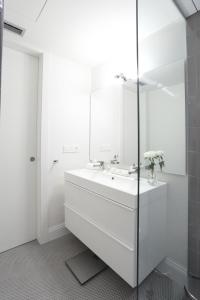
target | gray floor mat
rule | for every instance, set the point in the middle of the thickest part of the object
(85, 266)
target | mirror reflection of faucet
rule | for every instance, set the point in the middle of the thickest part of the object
(134, 169)
(130, 171)
(96, 165)
(99, 163)
(115, 160)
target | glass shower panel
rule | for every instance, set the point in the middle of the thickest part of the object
(163, 195)
(113, 138)
(1, 41)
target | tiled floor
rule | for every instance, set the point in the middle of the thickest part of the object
(38, 272)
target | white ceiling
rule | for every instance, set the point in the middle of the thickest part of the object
(25, 8)
(88, 31)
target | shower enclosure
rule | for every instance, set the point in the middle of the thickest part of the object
(167, 153)
(162, 148)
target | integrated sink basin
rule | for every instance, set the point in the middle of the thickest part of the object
(118, 188)
(101, 210)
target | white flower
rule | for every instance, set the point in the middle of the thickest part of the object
(160, 153)
(153, 154)
(154, 158)
(150, 154)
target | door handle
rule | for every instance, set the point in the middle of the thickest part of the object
(32, 158)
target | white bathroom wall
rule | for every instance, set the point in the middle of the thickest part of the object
(68, 88)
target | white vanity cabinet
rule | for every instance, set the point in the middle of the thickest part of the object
(101, 210)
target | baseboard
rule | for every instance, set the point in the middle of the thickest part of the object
(174, 270)
(57, 231)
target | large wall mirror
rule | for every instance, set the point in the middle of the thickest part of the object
(113, 122)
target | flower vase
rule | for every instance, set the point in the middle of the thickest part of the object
(152, 177)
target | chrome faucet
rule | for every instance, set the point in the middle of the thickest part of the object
(99, 163)
(133, 169)
(115, 160)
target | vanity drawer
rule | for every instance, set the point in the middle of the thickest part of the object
(113, 218)
(119, 257)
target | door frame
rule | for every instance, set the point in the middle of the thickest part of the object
(42, 232)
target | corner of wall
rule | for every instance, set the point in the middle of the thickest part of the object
(57, 231)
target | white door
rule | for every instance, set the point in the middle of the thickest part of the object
(18, 143)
